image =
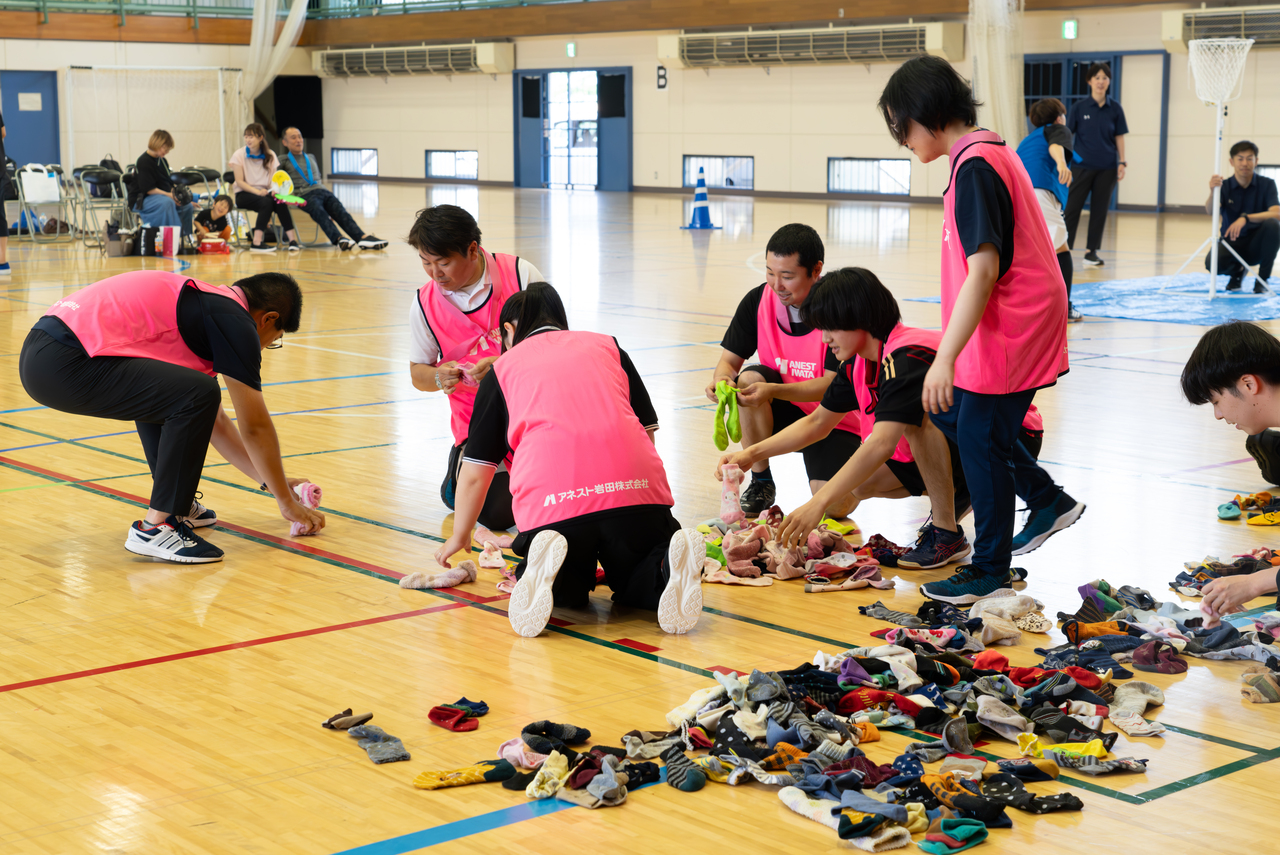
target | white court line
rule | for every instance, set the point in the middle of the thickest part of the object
(751, 262)
(400, 361)
(353, 415)
(341, 335)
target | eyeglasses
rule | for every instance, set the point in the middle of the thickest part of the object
(277, 344)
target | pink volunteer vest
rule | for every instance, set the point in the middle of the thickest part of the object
(1021, 340)
(797, 358)
(460, 335)
(136, 314)
(576, 444)
(902, 336)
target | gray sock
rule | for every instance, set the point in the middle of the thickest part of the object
(929, 752)
(381, 746)
(880, 611)
(835, 752)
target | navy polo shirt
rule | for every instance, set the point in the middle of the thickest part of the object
(1095, 129)
(1237, 201)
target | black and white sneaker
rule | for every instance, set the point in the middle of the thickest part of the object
(262, 247)
(172, 540)
(758, 497)
(201, 516)
(1091, 258)
(345, 244)
(294, 246)
(371, 242)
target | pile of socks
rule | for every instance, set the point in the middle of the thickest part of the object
(460, 716)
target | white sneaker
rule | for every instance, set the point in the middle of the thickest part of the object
(345, 244)
(263, 248)
(681, 602)
(371, 242)
(200, 516)
(172, 540)
(530, 606)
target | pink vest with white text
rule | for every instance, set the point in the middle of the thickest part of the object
(466, 337)
(577, 447)
(1021, 340)
(136, 314)
(796, 357)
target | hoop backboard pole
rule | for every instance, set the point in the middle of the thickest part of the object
(222, 120)
(1214, 226)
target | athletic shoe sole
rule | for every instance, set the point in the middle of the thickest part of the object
(965, 552)
(201, 522)
(531, 601)
(1097, 263)
(968, 599)
(137, 547)
(681, 602)
(374, 245)
(1063, 522)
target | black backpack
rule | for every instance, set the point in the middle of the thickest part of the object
(109, 162)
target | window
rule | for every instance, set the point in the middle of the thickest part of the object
(1272, 171)
(868, 175)
(739, 172)
(453, 164)
(353, 161)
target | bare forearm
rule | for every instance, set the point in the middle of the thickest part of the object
(1120, 147)
(473, 486)
(227, 441)
(263, 448)
(967, 312)
(1058, 154)
(727, 368)
(423, 377)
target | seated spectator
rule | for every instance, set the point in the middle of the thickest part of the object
(322, 205)
(156, 204)
(213, 222)
(253, 166)
(1250, 219)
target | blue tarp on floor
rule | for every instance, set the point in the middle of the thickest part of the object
(1185, 300)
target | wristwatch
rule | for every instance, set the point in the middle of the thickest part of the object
(1122, 163)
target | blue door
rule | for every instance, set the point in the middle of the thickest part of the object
(529, 106)
(29, 102)
(573, 128)
(615, 130)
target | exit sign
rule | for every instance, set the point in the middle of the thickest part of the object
(1070, 29)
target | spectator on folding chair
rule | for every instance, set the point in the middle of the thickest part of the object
(4, 223)
(155, 203)
(253, 167)
(322, 206)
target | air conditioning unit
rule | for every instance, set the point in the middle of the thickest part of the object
(488, 58)
(890, 43)
(1260, 23)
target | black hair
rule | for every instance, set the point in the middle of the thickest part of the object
(444, 230)
(851, 298)
(223, 197)
(1045, 112)
(797, 239)
(1104, 67)
(537, 306)
(1225, 354)
(275, 292)
(1244, 145)
(929, 91)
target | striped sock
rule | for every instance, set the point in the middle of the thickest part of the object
(833, 751)
(681, 773)
(879, 611)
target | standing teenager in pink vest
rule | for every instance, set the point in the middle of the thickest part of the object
(454, 334)
(1004, 317)
(147, 347)
(793, 370)
(587, 484)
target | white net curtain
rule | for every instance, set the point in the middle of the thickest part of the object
(995, 36)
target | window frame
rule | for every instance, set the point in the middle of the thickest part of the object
(455, 152)
(831, 161)
(690, 179)
(334, 150)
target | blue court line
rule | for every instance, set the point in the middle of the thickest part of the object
(22, 410)
(461, 828)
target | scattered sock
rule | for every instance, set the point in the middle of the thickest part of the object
(639, 774)
(879, 611)
(1093, 766)
(550, 778)
(610, 785)
(929, 752)
(1001, 718)
(1258, 687)
(309, 496)
(545, 737)
(491, 558)
(689, 709)
(346, 722)
(381, 746)
(730, 502)
(954, 835)
(955, 737)
(1008, 789)
(515, 752)
(818, 810)
(730, 740)
(452, 718)
(484, 772)
(483, 537)
(478, 708)
(520, 780)
(966, 768)
(1030, 769)
(681, 772)
(836, 753)
(1132, 700)
(460, 575)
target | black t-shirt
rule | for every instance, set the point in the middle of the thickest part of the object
(487, 441)
(216, 328)
(1056, 134)
(205, 218)
(895, 392)
(984, 210)
(153, 174)
(742, 337)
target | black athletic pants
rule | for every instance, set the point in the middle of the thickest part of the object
(265, 206)
(1095, 184)
(1257, 246)
(630, 544)
(496, 513)
(174, 407)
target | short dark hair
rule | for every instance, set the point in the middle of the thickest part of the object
(537, 306)
(444, 230)
(1045, 112)
(223, 197)
(929, 91)
(797, 239)
(1104, 67)
(288, 128)
(1225, 354)
(1244, 145)
(275, 292)
(851, 298)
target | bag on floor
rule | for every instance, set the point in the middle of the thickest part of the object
(146, 241)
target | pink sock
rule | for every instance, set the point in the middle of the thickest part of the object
(730, 507)
(492, 558)
(515, 752)
(466, 378)
(308, 494)
(465, 572)
(484, 537)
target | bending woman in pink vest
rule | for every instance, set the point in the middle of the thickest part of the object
(587, 484)
(147, 347)
(454, 335)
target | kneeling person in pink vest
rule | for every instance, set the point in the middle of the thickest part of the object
(587, 484)
(454, 332)
(148, 347)
(794, 370)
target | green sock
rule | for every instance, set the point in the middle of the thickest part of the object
(735, 423)
(681, 772)
(718, 431)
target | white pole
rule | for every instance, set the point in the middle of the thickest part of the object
(1217, 201)
(71, 126)
(222, 124)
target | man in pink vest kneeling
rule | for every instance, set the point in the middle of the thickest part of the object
(454, 335)
(148, 347)
(587, 484)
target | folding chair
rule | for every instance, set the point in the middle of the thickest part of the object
(109, 197)
(37, 186)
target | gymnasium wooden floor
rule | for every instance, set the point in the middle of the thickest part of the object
(153, 708)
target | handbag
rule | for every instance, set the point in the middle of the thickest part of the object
(39, 187)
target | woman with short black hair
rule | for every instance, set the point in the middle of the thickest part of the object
(1099, 126)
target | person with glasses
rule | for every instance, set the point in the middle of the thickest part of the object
(148, 347)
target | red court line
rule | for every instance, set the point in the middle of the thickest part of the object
(222, 648)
